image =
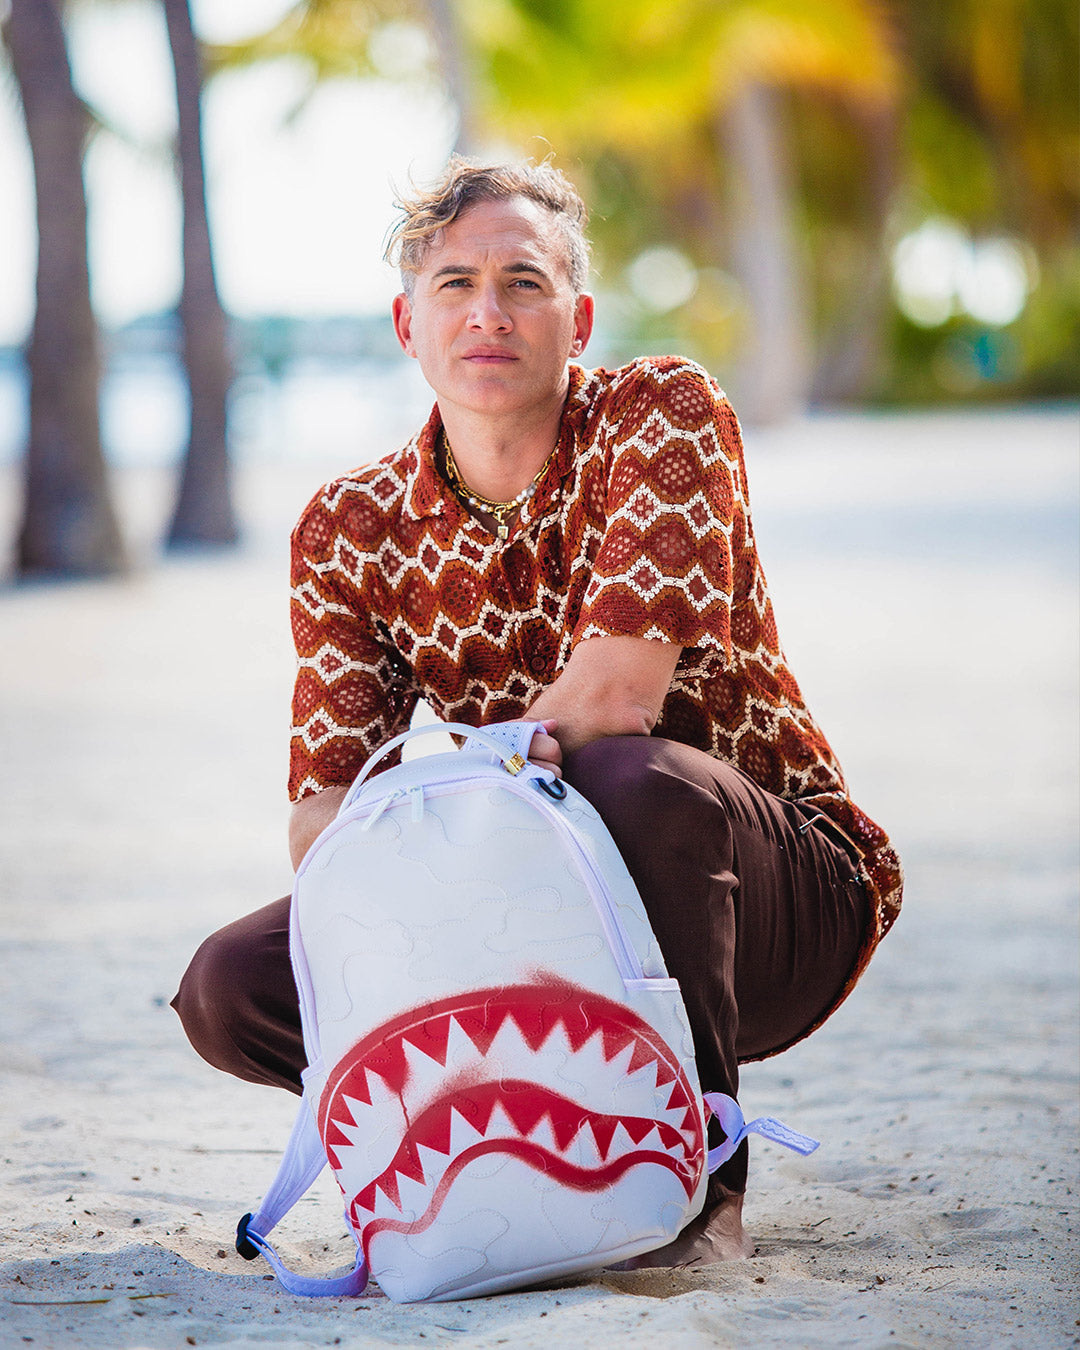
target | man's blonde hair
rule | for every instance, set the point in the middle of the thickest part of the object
(463, 184)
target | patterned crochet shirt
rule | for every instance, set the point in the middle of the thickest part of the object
(640, 527)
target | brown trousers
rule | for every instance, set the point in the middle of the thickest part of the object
(757, 912)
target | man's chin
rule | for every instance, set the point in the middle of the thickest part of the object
(500, 391)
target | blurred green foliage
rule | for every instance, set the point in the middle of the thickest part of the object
(889, 114)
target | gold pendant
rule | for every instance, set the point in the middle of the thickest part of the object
(504, 531)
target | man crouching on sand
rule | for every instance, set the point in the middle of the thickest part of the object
(573, 547)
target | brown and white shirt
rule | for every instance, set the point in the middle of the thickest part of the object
(640, 527)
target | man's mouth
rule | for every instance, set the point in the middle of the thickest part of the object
(486, 356)
(566, 1082)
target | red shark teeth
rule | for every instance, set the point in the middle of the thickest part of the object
(524, 1105)
(437, 1135)
(537, 1009)
(536, 1018)
(389, 1062)
(430, 1036)
(529, 1120)
(679, 1097)
(603, 1128)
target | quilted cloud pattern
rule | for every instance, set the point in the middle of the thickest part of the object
(498, 1099)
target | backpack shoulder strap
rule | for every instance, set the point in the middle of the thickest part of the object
(303, 1160)
(728, 1112)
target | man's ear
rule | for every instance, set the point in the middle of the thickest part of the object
(583, 323)
(401, 311)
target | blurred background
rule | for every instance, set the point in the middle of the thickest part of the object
(861, 215)
(827, 202)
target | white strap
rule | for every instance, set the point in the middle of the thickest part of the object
(485, 736)
(515, 736)
(343, 1286)
(303, 1160)
(728, 1112)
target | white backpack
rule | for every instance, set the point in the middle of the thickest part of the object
(501, 1072)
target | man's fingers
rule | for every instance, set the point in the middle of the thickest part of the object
(545, 751)
(545, 747)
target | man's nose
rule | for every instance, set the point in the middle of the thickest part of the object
(488, 313)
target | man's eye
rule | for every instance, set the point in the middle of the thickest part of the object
(526, 283)
(456, 281)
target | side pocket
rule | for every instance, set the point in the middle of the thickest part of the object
(313, 1079)
(656, 984)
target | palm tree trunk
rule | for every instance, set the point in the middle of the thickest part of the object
(852, 356)
(454, 63)
(203, 513)
(773, 374)
(68, 526)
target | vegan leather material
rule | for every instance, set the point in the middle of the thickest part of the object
(500, 1071)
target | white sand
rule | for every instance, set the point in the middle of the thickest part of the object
(925, 579)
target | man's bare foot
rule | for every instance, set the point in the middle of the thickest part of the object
(716, 1235)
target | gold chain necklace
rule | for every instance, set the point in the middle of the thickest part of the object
(499, 510)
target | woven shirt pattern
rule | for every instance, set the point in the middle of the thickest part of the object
(640, 527)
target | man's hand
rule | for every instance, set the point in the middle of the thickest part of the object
(544, 750)
(310, 816)
(611, 686)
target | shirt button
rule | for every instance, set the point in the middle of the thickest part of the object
(538, 665)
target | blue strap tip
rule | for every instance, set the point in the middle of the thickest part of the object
(244, 1245)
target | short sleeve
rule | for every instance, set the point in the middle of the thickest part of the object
(353, 692)
(664, 568)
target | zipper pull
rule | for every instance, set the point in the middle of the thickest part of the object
(386, 802)
(416, 797)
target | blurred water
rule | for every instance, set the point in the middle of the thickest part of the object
(350, 413)
(946, 534)
(1001, 495)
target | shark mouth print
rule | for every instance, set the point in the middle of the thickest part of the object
(508, 1095)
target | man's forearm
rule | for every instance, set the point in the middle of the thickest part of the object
(309, 818)
(581, 718)
(610, 687)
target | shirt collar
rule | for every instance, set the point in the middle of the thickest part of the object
(426, 491)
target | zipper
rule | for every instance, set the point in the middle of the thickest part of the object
(627, 960)
(383, 804)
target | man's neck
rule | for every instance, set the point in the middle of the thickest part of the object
(500, 456)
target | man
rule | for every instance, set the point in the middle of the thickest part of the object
(573, 547)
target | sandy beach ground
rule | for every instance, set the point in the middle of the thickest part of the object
(924, 573)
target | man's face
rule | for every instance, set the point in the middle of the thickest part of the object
(493, 318)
